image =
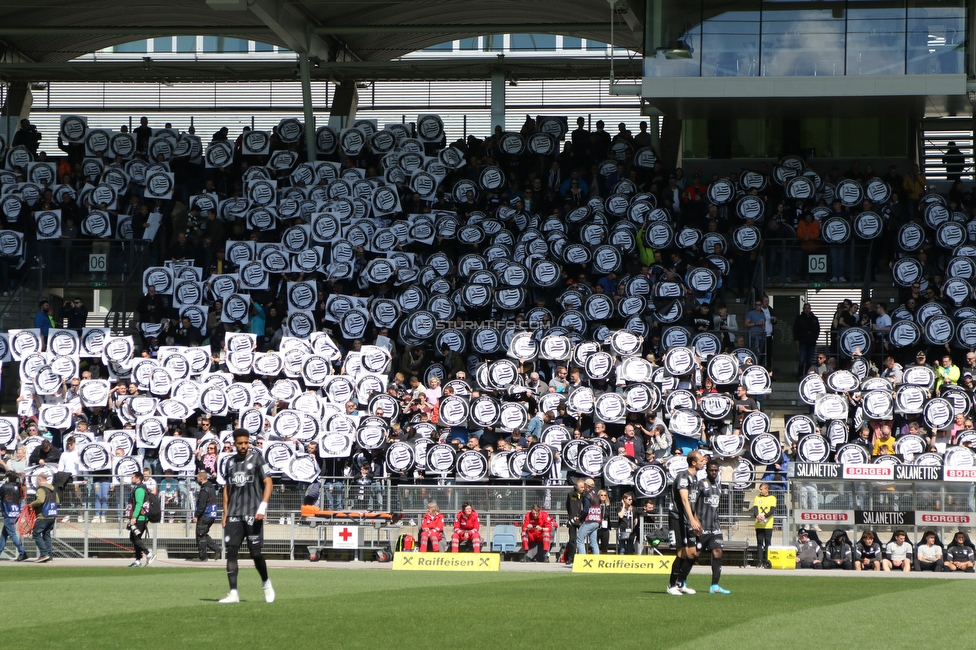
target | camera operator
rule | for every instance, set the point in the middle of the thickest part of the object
(77, 314)
(28, 136)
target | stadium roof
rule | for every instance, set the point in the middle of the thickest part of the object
(55, 31)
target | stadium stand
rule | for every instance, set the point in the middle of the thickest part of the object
(522, 309)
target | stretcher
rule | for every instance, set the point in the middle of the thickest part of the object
(381, 530)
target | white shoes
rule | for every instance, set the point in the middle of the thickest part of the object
(685, 589)
(673, 591)
(232, 597)
(269, 593)
(842, 279)
(149, 559)
(135, 564)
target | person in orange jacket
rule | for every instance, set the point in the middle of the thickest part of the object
(808, 232)
(537, 527)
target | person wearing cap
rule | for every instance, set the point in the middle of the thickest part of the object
(809, 555)
(919, 360)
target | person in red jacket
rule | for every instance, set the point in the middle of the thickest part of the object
(432, 528)
(466, 527)
(537, 527)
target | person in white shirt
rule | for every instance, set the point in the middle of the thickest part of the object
(928, 555)
(70, 463)
(899, 553)
(881, 324)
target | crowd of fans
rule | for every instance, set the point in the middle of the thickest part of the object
(628, 347)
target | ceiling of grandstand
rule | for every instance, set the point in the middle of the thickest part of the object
(52, 31)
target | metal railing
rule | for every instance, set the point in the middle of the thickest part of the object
(67, 260)
(92, 519)
(785, 261)
(117, 317)
(912, 506)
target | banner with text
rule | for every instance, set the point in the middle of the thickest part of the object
(447, 562)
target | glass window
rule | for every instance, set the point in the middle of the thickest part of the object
(494, 42)
(730, 40)
(133, 47)
(163, 44)
(440, 47)
(186, 43)
(876, 39)
(572, 43)
(756, 138)
(936, 37)
(816, 136)
(675, 50)
(210, 44)
(858, 137)
(694, 138)
(468, 44)
(232, 45)
(803, 42)
(533, 42)
(595, 46)
(263, 47)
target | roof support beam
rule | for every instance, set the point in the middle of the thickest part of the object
(494, 28)
(291, 28)
(173, 30)
(340, 30)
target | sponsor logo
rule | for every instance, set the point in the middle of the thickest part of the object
(826, 515)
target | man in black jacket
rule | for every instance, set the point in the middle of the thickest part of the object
(45, 454)
(205, 515)
(574, 506)
(806, 331)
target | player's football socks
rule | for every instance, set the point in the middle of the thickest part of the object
(715, 589)
(269, 594)
(232, 597)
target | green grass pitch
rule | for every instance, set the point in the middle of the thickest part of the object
(68, 607)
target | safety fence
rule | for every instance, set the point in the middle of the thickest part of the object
(882, 504)
(788, 261)
(92, 519)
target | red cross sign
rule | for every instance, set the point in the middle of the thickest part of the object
(345, 537)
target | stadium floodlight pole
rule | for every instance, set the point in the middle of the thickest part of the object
(303, 66)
